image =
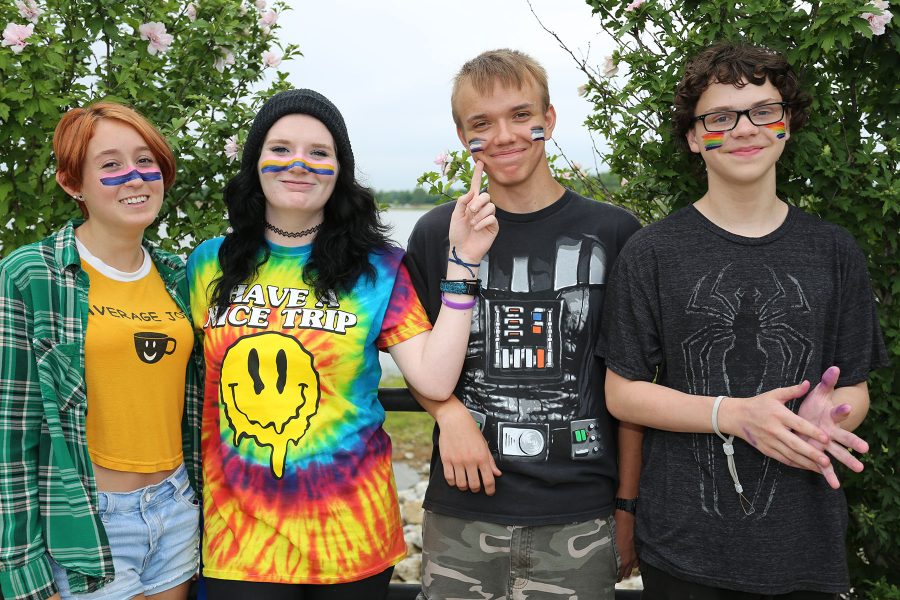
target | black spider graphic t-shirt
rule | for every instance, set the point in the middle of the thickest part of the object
(531, 377)
(711, 313)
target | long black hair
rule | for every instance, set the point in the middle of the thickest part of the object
(351, 230)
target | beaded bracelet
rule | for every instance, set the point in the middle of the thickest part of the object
(470, 287)
(458, 305)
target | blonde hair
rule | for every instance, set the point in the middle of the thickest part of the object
(510, 67)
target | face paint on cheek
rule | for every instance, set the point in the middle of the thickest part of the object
(476, 145)
(123, 177)
(276, 166)
(778, 128)
(713, 140)
(537, 134)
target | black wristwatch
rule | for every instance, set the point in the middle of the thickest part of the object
(470, 287)
(627, 504)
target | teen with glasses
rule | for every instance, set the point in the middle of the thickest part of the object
(717, 319)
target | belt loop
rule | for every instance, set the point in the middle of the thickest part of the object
(105, 502)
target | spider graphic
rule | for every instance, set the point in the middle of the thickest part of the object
(747, 347)
(749, 343)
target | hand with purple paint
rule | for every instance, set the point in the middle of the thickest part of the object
(818, 408)
(473, 225)
(768, 425)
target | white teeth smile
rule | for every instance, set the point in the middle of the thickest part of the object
(134, 200)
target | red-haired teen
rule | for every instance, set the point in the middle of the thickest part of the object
(99, 396)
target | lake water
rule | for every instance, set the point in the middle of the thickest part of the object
(402, 221)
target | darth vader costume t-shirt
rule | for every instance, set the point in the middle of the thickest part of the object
(531, 377)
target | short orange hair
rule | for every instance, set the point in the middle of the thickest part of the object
(76, 128)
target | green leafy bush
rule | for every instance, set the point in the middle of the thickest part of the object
(197, 86)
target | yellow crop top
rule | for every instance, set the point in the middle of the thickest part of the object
(137, 347)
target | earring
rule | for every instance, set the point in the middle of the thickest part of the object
(78, 198)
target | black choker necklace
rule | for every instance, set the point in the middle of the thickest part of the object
(293, 234)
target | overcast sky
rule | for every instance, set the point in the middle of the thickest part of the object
(388, 67)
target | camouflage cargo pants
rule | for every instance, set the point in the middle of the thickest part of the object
(464, 560)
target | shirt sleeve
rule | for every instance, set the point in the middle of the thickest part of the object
(630, 338)
(405, 317)
(25, 572)
(860, 346)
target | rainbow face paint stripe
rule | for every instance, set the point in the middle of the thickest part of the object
(713, 140)
(276, 166)
(537, 134)
(126, 176)
(778, 128)
(476, 145)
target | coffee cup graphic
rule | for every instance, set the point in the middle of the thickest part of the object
(151, 346)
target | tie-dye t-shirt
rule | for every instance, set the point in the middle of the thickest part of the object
(297, 468)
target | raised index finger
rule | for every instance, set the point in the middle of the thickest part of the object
(475, 189)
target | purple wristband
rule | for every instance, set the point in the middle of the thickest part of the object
(457, 305)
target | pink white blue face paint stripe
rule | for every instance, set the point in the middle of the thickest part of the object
(713, 140)
(276, 166)
(476, 145)
(778, 128)
(126, 176)
(537, 134)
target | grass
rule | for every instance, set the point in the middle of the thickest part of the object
(409, 431)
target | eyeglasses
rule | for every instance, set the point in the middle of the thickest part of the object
(726, 120)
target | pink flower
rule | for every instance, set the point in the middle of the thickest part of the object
(29, 10)
(232, 149)
(271, 59)
(609, 67)
(191, 11)
(634, 5)
(268, 18)
(156, 33)
(877, 22)
(226, 59)
(441, 159)
(15, 35)
(260, 4)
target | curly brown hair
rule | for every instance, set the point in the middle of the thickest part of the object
(737, 64)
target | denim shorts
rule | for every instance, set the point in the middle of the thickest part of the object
(154, 536)
(465, 559)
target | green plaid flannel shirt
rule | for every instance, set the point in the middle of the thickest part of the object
(48, 499)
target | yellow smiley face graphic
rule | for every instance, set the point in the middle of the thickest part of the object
(270, 391)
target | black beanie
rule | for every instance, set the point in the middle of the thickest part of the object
(307, 102)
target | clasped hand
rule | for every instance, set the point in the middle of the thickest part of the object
(799, 439)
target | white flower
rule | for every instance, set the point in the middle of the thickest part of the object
(29, 10)
(232, 149)
(226, 59)
(15, 35)
(609, 67)
(260, 5)
(271, 59)
(156, 34)
(268, 18)
(878, 22)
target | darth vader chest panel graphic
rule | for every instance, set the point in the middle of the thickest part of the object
(532, 335)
